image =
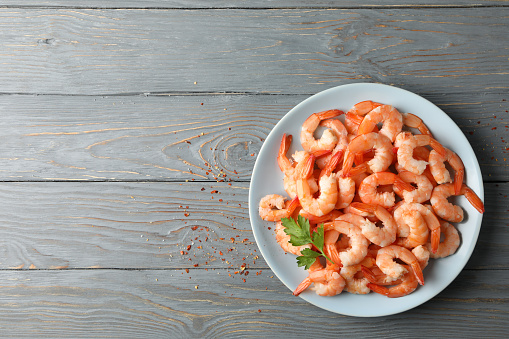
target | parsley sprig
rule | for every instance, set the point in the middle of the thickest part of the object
(300, 234)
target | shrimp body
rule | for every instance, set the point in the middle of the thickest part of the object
(383, 152)
(408, 214)
(285, 165)
(441, 174)
(327, 199)
(273, 207)
(364, 107)
(381, 236)
(346, 190)
(327, 281)
(368, 189)
(423, 191)
(341, 133)
(385, 261)
(358, 243)
(450, 243)
(328, 139)
(391, 118)
(406, 286)
(406, 142)
(447, 211)
(413, 121)
(356, 282)
(283, 240)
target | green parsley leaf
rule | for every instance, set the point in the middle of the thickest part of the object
(300, 234)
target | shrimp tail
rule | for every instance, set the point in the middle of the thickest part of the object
(435, 239)
(472, 198)
(347, 164)
(307, 170)
(458, 181)
(302, 286)
(368, 274)
(378, 289)
(416, 268)
(403, 185)
(438, 147)
(294, 203)
(332, 164)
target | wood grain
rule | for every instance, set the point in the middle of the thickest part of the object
(172, 303)
(140, 138)
(67, 225)
(101, 51)
(255, 4)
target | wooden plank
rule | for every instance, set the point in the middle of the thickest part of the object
(145, 138)
(105, 303)
(100, 51)
(68, 225)
(183, 4)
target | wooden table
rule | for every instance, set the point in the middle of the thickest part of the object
(129, 132)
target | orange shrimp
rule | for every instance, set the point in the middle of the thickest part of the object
(273, 207)
(407, 215)
(357, 283)
(385, 261)
(413, 121)
(341, 133)
(368, 188)
(327, 281)
(381, 236)
(391, 118)
(383, 152)
(441, 174)
(325, 202)
(406, 285)
(423, 191)
(358, 243)
(364, 107)
(450, 243)
(447, 211)
(406, 143)
(328, 139)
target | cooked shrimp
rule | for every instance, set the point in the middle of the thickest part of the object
(407, 285)
(352, 122)
(368, 188)
(313, 219)
(327, 199)
(327, 281)
(383, 152)
(450, 243)
(358, 243)
(304, 164)
(413, 121)
(283, 240)
(273, 207)
(423, 191)
(364, 107)
(346, 190)
(356, 282)
(422, 254)
(341, 133)
(328, 139)
(385, 261)
(284, 163)
(441, 174)
(447, 211)
(415, 235)
(406, 143)
(391, 118)
(381, 236)
(412, 228)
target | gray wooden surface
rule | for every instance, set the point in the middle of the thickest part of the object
(129, 131)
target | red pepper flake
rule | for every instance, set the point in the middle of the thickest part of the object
(187, 270)
(232, 240)
(186, 214)
(214, 191)
(194, 228)
(201, 104)
(188, 247)
(493, 128)
(259, 310)
(220, 200)
(189, 142)
(220, 253)
(471, 133)
(195, 265)
(203, 188)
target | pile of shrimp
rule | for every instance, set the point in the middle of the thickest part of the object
(379, 184)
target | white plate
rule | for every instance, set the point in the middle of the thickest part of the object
(268, 179)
